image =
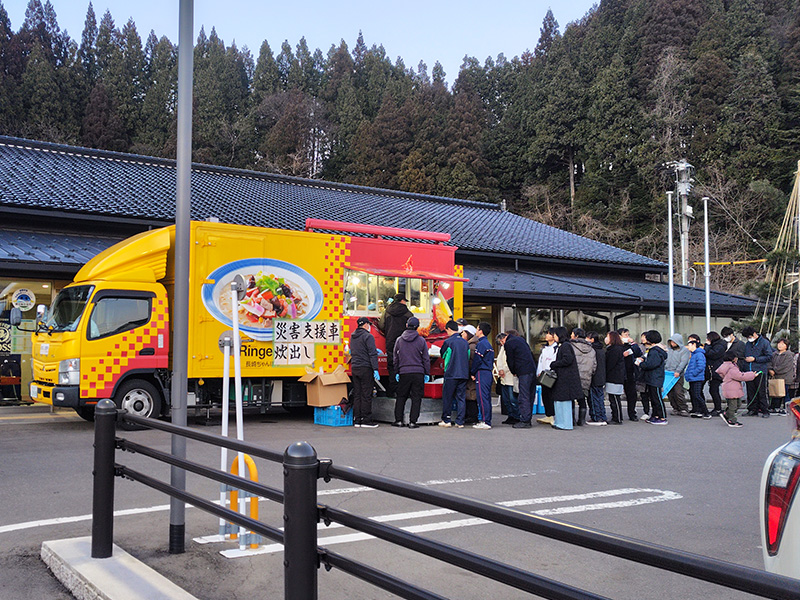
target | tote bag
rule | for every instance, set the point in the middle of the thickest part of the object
(777, 388)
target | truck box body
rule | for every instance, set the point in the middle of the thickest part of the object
(304, 291)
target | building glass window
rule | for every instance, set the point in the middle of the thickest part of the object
(15, 343)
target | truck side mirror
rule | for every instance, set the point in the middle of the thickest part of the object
(15, 318)
(41, 309)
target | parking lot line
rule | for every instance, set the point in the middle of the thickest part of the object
(654, 496)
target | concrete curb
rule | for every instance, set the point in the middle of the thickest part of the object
(120, 577)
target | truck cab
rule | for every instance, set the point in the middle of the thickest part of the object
(103, 340)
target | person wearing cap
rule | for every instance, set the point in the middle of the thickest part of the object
(364, 371)
(413, 365)
(468, 332)
(481, 373)
(455, 354)
(393, 324)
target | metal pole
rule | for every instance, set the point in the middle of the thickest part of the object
(180, 301)
(528, 325)
(300, 517)
(684, 221)
(223, 458)
(237, 375)
(707, 272)
(798, 268)
(670, 263)
(105, 419)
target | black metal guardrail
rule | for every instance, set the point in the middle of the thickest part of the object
(303, 557)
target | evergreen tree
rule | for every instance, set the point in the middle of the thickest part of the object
(288, 67)
(12, 115)
(752, 121)
(548, 35)
(267, 79)
(158, 113)
(46, 115)
(87, 47)
(102, 126)
(108, 43)
(379, 148)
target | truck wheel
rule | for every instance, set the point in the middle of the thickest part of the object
(140, 398)
(85, 412)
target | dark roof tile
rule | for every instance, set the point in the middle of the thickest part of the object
(77, 180)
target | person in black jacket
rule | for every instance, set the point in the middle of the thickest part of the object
(393, 322)
(630, 352)
(652, 367)
(567, 387)
(734, 344)
(520, 362)
(597, 397)
(363, 368)
(715, 348)
(615, 374)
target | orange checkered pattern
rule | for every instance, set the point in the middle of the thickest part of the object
(99, 374)
(337, 256)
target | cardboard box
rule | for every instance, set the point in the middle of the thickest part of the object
(325, 389)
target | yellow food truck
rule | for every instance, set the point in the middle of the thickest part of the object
(107, 334)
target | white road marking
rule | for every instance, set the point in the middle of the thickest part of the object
(657, 496)
(61, 520)
(163, 507)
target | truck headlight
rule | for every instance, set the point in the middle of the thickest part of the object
(69, 371)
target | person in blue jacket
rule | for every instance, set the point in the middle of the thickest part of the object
(695, 374)
(455, 354)
(758, 357)
(652, 368)
(481, 372)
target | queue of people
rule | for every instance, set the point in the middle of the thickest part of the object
(580, 370)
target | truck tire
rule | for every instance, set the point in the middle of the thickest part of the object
(140, 398)
(85, 412)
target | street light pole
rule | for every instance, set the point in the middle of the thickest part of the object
(707, 272)
(683, 185)
(180, 301)
(671, 267)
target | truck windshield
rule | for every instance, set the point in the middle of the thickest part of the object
(68, 308)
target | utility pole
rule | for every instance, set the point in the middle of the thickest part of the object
(671, 268)
(683, 185)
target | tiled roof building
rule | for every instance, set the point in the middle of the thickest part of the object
(64, 204)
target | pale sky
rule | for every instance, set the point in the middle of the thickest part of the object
(414, 30)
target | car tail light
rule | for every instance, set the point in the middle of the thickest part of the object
(794, 411)
(784, 475)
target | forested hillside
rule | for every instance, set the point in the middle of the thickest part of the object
(574, 132)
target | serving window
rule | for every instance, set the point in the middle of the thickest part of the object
(368, 295)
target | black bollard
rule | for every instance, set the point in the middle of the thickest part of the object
(105, 419)
(300, 516)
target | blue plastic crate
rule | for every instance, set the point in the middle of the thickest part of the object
(332, 416)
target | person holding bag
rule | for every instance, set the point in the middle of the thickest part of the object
(782, 371)
(567, 388)
(547, 356)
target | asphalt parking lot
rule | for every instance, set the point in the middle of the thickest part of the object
(692, 485)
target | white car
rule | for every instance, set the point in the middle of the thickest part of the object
(780, 505)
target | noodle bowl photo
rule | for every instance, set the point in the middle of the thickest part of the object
(273, 290)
